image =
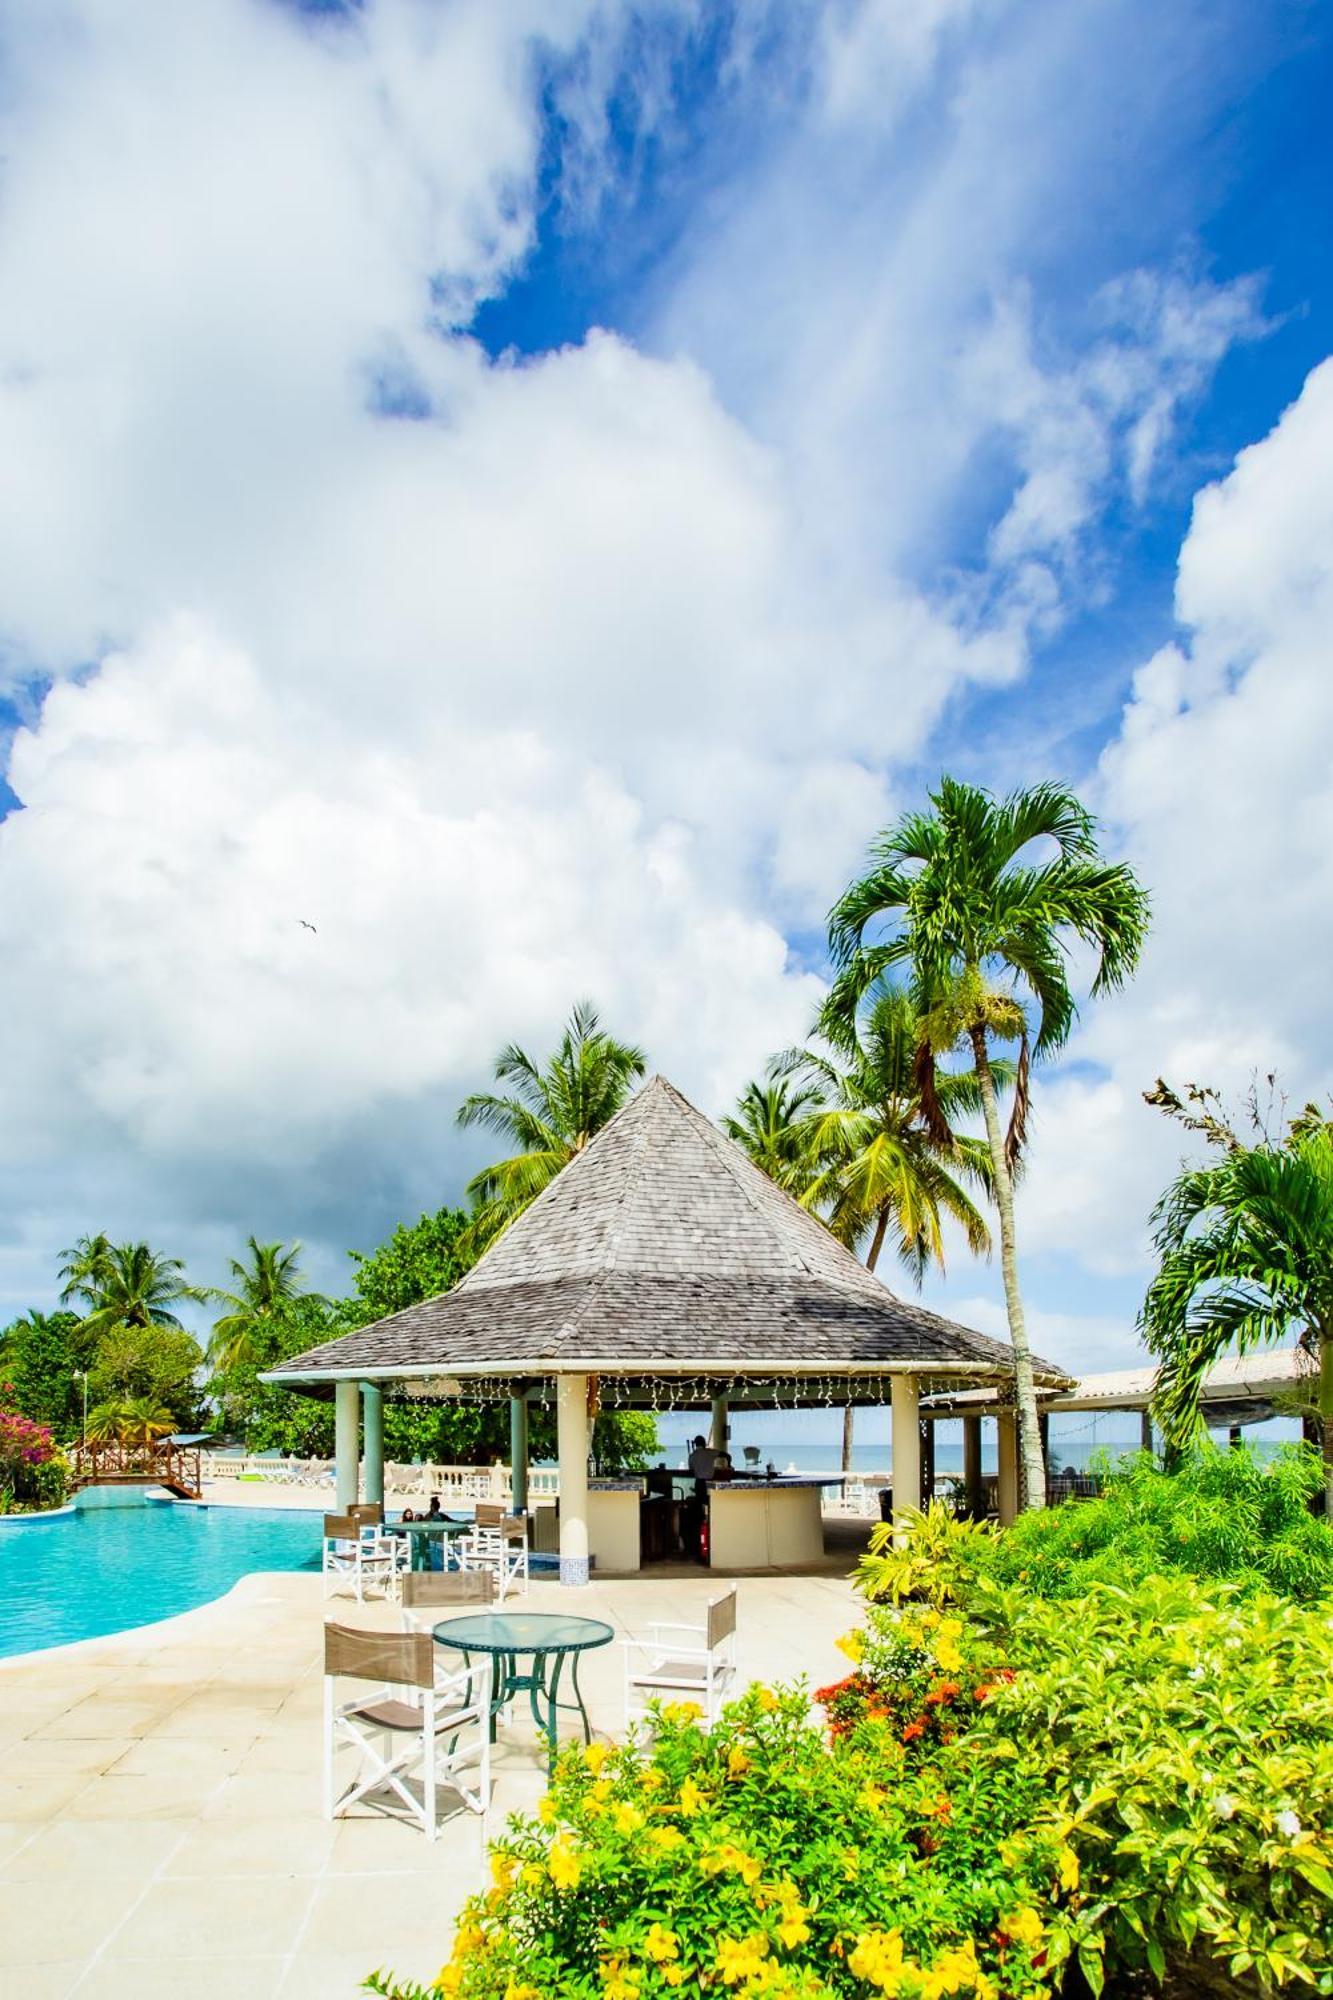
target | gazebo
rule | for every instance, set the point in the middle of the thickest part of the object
(660, 1269)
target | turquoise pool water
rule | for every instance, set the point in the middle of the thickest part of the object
(107, 1569)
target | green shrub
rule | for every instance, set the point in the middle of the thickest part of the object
(1176, 1741)
(756, 1859)
(1223, 1515)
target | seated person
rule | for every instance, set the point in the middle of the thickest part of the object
(408, 1515)
(433, 1512)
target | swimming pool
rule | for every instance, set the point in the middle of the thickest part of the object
(108, 1569)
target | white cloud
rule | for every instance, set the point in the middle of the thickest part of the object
(590, 677)
(1221, 784)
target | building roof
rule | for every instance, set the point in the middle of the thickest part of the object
(1240, 1388)
(661, 1248)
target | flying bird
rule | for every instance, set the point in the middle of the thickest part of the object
(305, 926)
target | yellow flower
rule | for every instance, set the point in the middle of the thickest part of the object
(1023, 1926)
(514, 1990)
(546, 1809)
(985, 1988)
(768, 1701)
(469, 1936)
(738, 1763)
(878, 1959)
(741, 1958)
(946, 1645)
(793, 1929)
(564, 1865)
(871, 1797)
(595, 1755)
(1067, 1863)
(628, 1819)
(620, 1984)
(652, 1779)
(502, 1869)
(853, 1644)
(674, 1975)
(664, 1838)
(532, 1874)
(691, 1798)
(734, 1860)
(682, 1711)
(660, 1945)
(450, 1978)
(954, 1971)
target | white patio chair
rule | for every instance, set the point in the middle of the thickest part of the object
(416, 1728)
(666, 1665)
(429, 1593)
(499, 1545)
(358, 1556)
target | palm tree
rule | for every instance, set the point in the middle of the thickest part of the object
(1247, 1260)
(883, 1160)
(268, 1279)
(771, 1123)
(127, 1284)
(143, 1420)
(550, 1115)
(84, 1268)
(984, 929)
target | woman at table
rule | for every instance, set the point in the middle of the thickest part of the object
(433, 1512)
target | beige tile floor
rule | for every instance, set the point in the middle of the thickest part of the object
(160, 1827)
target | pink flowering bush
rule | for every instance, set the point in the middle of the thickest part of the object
(32, 1471)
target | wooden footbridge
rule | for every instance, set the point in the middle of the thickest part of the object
(176, 1467)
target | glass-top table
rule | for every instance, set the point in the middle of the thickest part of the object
(548, 1638)
(421, 1534)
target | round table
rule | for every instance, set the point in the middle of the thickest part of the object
(549, 1638)
(420, 1535)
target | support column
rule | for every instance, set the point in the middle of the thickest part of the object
(906, 1422)
(718, 1427)
(372, 1424)
(346, 1443)
(1007, 1485)
(976, 1505)
(1145, 1431)
(518, 1453)
(571, 1430)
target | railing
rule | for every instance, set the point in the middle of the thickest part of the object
(450, 1482)
(139, 1464)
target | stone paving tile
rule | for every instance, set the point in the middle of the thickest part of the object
(203, 1831)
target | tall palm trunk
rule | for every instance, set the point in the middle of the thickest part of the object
(1325, 1419)
(849, 1413)
(1032, 1469)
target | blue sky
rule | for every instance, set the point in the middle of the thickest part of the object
(531, 490)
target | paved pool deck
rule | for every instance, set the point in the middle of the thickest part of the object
(160, 1823)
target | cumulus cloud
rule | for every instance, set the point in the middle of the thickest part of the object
(1221, 783)
(516, 679)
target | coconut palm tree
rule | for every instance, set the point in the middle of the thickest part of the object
(84, 1268)
(772, 1124)
(268, 1279)
(954, 895)
(550, 1114)
(143, 1420)
(883, 1165)
(886, 1161)
(1247, 1261)
(127, 1284)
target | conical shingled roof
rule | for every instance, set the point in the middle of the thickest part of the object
(662, 1246)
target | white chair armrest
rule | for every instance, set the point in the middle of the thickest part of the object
(695, 1631)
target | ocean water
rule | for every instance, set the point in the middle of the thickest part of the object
(108, 1569)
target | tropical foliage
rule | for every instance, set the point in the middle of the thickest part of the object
(753, 1860)
(982, 926)
(1221, 1517)
(1246, 1247)
(774, 1124)
(887, 1166)
(32, 1470)
(550, 1112)
(266, 1280)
